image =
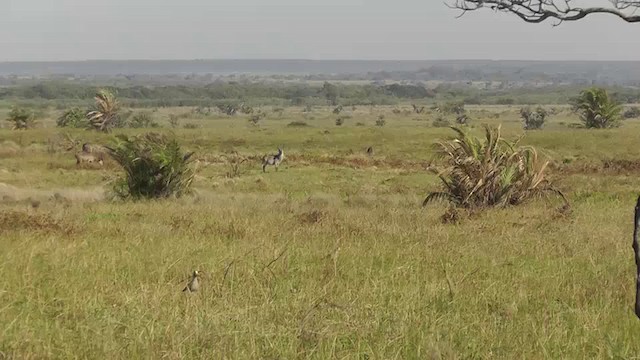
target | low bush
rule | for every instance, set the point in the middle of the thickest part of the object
(154, 167)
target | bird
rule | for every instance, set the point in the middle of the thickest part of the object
(194, 283)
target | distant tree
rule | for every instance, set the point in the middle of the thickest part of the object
(21, 119)
(537, 11)
(331, 93)
(407, 91)
(104, 115)
(596, 109)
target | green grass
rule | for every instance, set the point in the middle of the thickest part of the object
(330, 257)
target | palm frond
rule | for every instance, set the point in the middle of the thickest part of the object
(434, 196)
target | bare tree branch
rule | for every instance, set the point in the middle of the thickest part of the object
(537, 11)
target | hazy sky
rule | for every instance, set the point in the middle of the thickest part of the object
(300, 29)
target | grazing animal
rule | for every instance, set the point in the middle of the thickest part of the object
(87, 158)
(194, 283)
(273, 160)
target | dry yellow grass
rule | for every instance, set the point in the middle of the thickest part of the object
(330, 257)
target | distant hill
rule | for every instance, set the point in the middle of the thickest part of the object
(607, 72)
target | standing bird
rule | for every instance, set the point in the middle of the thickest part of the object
(194, 283)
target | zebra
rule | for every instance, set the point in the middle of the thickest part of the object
(274, 160)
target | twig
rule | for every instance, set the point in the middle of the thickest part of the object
(286, 247)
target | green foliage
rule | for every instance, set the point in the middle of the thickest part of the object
(21, 118)
(104, 114)
(596, 109)
(533, 119)
(440, 122)
(493, 172)
(408, 91)
(143, 120)
(154, 165)
(73, 118)
(454, 108)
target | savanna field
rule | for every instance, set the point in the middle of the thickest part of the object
(332, 256)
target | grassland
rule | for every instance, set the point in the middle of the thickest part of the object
(330, 257)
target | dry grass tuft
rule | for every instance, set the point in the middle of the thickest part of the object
(39, 222)
(312, 217)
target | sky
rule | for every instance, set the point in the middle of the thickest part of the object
(54, 30)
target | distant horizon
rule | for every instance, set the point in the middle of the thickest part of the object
(621, 71)
(318, 60)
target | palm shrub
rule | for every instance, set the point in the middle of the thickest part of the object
(533, 119)
(73, 118)
(155, 167)
(104, 114)
(21, 118)
(488, 173)
(597, 110)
